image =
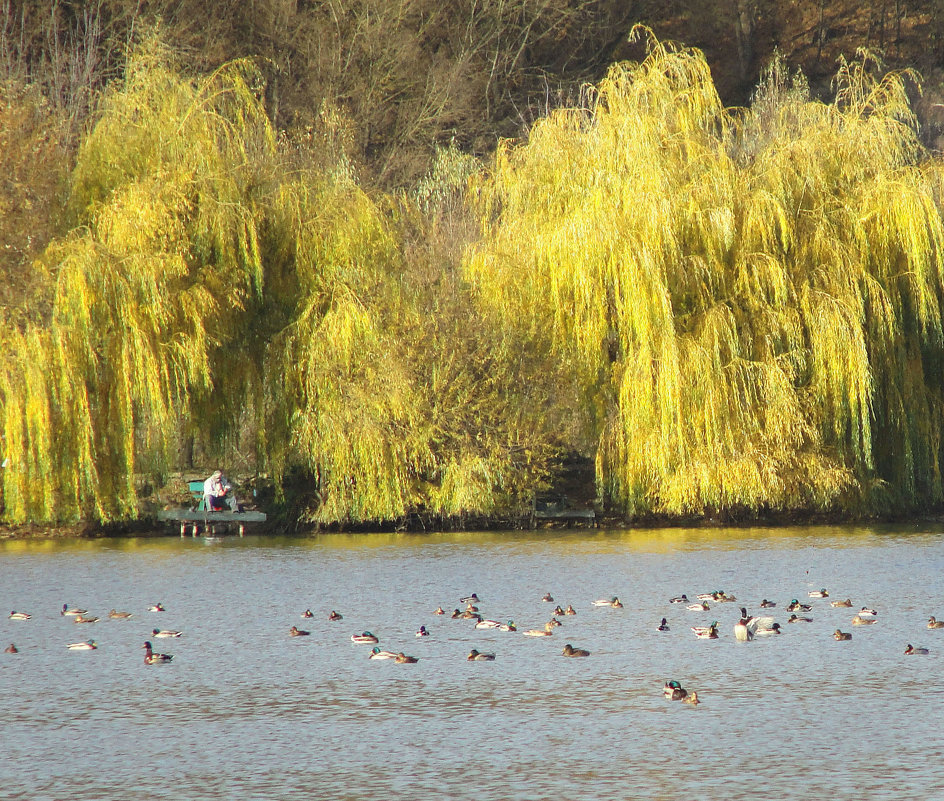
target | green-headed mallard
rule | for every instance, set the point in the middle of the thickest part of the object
(365, 637)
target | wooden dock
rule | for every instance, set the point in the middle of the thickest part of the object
(193, 519)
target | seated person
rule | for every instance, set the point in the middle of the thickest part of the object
(218, 493)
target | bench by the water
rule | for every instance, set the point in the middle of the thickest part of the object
(199, 514)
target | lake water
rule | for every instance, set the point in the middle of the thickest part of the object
(246, 712)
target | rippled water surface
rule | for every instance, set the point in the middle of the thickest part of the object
(244, 711)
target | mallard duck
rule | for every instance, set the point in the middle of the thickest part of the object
(773, 630)
(842, 635)
(570, 610)
(150, 658)
(691, 699)
(707, 596)
(471, 608)
(866, 611)
(911, 650)
(335, 616)
(765, 604)
(748, 626)
(403, 659)
(664, 625)
(307, 614)
(545, 632)
(569, 650)
(67, 610)
(674, 691)
(88, 645)
(471, 616)
(839, 604)
(509, 626)
(724, 598)
(797, 619)
(84, 619)
(158, 607)
(858, 620)
(11, 649)
(819, 593)
(706, 632)
(365, 637)
(476, 656)
(292, 632)
(934, 623)
(422, 632)
(796, 606)
(439, 611)
(612, 602)
(456, 614)
(547, 598)
(554, 622)
(376, 653)
(702, 607)
(558, 610)
(469, 599)
(679, 599)
(168, 632)
(114, 614)
(487, 624)
(19, 616)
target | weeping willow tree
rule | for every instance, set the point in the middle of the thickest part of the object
(751, 300)
(215, 281)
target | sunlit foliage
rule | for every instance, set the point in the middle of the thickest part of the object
(751, 299)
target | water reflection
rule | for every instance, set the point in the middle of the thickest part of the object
(244, 711)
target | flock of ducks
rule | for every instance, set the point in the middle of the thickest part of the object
(748, 627)
(80, 616)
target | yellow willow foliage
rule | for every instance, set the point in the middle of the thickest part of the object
(165, 252)
(753, 301)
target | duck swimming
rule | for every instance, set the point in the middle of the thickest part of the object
(547, 598)
(308, 614)
(916, 651)
(422, 632)
(335, 616)
(819, 593)
(88, 645)
(702, 607)
(509, 626)
(403, 659)
(84, 619)
(796, 606)
(376, 653)
(773, 630)
(865, 611)
(765, 604)
(706, 632)
(796, 619)
(934, 623)
(839, 604)
(11, 649)
(674, 691)
(613, 602)
(168, 632)
(858, 620)
(558, 610)
(150, 658)
(292, 632)
(747, 627)
(842, 635)
(476, 656)
(569, 650)
(158, 607)
(439, 611)
(487, 624)
(679, 599)
(692, 699)
(545, 632)
(116, 615)
(664, 625)
(570, 610)
(469, 599)
(67, 610)
(19, 616)
(366, 637)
